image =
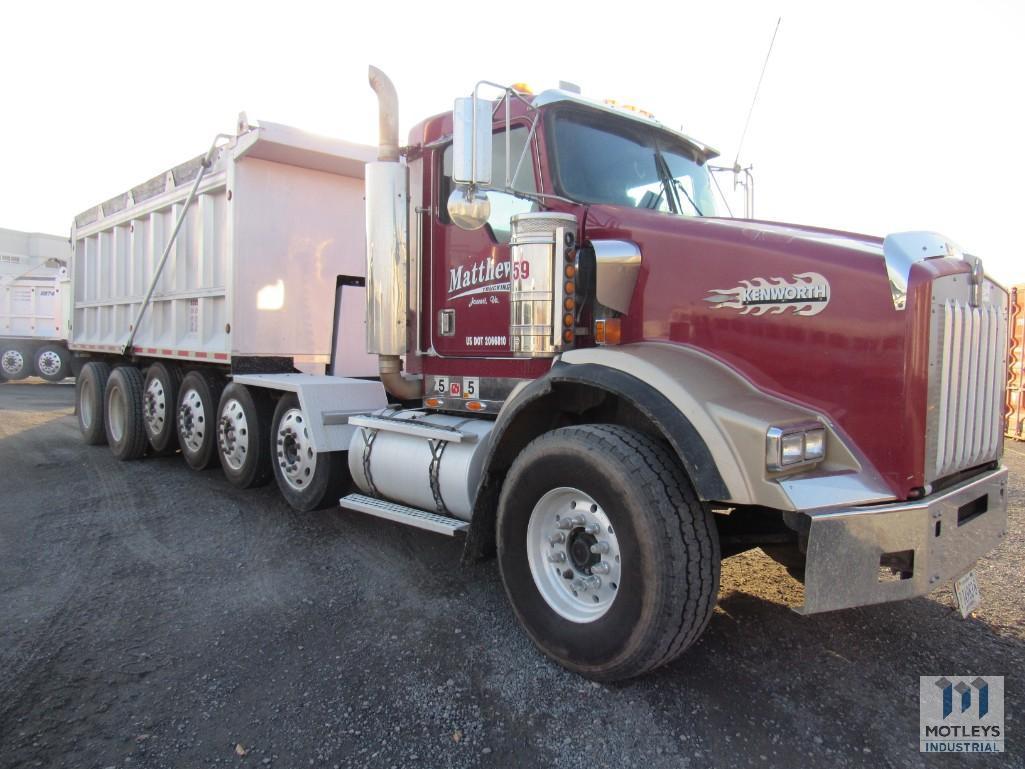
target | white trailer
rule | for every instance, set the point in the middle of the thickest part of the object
(34, 299)
(243, 261)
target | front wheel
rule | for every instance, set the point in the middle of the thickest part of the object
(608, 557)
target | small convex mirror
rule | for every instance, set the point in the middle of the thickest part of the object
(468, 207)
(471, 142)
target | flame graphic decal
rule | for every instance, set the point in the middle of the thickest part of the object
(807, 294)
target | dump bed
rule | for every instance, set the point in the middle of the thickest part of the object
(253, 273)
(32, 267)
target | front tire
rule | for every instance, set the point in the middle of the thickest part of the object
(198, 396)
(243, 436)
(307, 480)
(122, 413)
(90, 386)
(52, 362)
(608, 557)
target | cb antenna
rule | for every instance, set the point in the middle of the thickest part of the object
(751, 109)
(742, 177)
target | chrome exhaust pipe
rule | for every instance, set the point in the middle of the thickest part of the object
(387, 193)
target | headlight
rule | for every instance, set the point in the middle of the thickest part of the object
(791, 446)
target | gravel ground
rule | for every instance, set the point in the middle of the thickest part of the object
(155, 617)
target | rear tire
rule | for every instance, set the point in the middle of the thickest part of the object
(52, 362)
(123, 422)
(90, 387)
(633, 580)
(243, 436)
(198, 396)
(14, 362)
(307, 480)
(159, 401)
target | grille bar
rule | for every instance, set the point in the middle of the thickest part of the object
(968, 354)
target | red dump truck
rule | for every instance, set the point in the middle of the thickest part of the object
(531, 324)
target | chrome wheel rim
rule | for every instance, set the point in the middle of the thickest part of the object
(295, 455)
(233, 434)
(13, 363)
(116, 413)
(154, 406)
(574, 555)
(49, 363)
(192, 420)
(85, 403)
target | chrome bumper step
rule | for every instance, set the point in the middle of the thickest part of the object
(411, 516)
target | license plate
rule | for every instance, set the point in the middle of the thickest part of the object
(966, 589)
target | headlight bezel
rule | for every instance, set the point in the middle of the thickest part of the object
(782, 442)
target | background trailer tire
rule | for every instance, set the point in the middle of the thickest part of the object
(159, 402)
(122, 414)
(90, 387)
(13, 362)
(198, 397)
(243, 435)
(52, 362)
(609, 559)
(307, 480)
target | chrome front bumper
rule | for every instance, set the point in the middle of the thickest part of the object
(947, 532)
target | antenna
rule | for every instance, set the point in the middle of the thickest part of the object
(748, 178)
(758, 88)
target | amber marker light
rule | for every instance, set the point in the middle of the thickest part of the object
(571, 270)
(570, 288)
(567, 336)
(476, 406)
(567, 319)
(607, 331)
(569, 304)
(434, 403)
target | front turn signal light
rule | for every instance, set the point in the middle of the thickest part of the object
(793, 446)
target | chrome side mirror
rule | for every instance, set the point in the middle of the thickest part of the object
(471, 141)
(468, 207)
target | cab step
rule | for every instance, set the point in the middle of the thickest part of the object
(411, 516)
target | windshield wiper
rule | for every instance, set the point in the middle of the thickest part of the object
(667, 178)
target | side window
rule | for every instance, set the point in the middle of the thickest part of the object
(503, 205)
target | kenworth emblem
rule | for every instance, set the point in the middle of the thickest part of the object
(806, 294)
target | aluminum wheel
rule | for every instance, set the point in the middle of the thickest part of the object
(49, 363)
(574, 555)
(154, 406)
(116, 416)
(233, 434)
(85, 401)
(13, 363)
(192, 420)
(295, 454)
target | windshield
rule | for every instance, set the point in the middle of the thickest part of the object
(603, 159)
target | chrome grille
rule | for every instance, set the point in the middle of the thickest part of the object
(968, 368)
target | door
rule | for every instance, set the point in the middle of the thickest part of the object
(470, 271)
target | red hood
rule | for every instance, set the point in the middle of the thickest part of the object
(804, 313)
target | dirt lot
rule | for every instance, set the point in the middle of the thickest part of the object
(155, 617)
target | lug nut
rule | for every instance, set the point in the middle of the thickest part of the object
(557, 557)
(565, 524)
(600, 548)
(557, 539)
(601, 568)
(592, 528)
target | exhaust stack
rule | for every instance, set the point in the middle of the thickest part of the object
(387, 191)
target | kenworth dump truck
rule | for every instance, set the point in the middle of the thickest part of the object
(531, 325)
(34, 305)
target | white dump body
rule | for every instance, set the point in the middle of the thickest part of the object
(32, 267)
(254, 271)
